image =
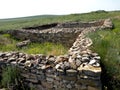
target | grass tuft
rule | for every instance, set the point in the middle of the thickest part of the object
(11, 77)
(45, 48)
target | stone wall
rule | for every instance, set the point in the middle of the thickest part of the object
(56, 72)
(79, 69)
(64, 33)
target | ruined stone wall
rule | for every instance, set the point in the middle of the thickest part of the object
(55, 72)
(64, 36)
(79, 69)
(64, 33)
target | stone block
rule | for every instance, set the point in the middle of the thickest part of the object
(93, 83)
(47, 85)
(90, 70)
(71, 72)
(49, 79)
(35, 80)
(93, 88)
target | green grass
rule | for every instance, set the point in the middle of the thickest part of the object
(107, 44)
(7, 43)
(45, 48)
(11, 77)
(17, 23)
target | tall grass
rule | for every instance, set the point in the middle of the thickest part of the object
(11, 78)
(45, 48)
(7, 43)
(107, 44)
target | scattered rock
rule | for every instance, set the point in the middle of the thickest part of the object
(23, 43)
(108, 24)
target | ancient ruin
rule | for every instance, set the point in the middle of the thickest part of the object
(79, 69)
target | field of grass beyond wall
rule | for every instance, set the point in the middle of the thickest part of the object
(7, 43)
(106, 43)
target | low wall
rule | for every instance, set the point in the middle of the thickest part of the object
(55, 72)
(79, 69)
(52, 35)
(64, 33)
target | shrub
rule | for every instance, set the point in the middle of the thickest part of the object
(11, 78)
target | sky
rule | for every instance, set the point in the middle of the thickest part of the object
(23, 8)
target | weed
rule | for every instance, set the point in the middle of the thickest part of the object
(45, 48)
(107, 44)
(11, 78)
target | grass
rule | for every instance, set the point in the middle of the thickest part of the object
(106, 43)
(17, 23)
(9, 44)
(11, 78)
(45, 48)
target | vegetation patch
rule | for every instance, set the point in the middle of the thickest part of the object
(11, 78)
(17, 23)
(45, 48)
(9, 44)
(107, 44)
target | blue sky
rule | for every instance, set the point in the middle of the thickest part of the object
(21, 8)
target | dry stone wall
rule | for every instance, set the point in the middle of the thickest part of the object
(56, 72)
(64, 33)
(79, 69)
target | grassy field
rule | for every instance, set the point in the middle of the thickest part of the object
(7, 43)
(106, 43)
(16, 23)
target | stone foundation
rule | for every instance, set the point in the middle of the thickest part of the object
(79, 69)
(64, 33)
(54, 72)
